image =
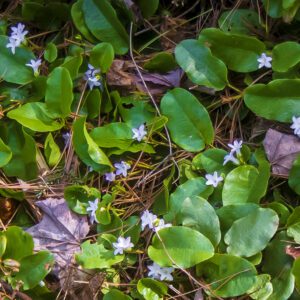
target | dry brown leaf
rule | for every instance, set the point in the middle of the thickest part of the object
(281, 149)
(60, 232)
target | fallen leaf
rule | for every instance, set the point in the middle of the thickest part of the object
(60, 231)
(292, 251)
(281, 149)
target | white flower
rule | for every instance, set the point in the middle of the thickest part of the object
(148, 219)
(161, 224)
(236, 147)
(230, 157)
(296, 125)
(12, 44)
(213, 179)
(122, 244)
(67, 137)
(35, 64)
(139, 133)
(18, 33)
(158, 272)
(92, 208)
(110, 176)
(264, 61)
(92, 76)
(122, 168)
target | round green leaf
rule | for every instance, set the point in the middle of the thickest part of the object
(116, 295)
(3, 243)
(278, 100)
(34, 269)
(161, 62)
(148, 8)
(294, 176)
(200, 65)
(188, 120)
(185, 246)
(285, 56)
(102, 56)
(101, 19)
(13, 66)
(19, 243)
(152, 289)
(50, 53)
(5, 154)
(229, 275)
(52, 151)
(239, 52)
(251, 234)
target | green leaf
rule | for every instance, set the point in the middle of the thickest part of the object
(87, 149)
(3, 243)
(72, 64)
(191, 188)
(79, 22)
(296, 271)
(185, 246)
(195, 212)
(239, 21)
(262, 289)
(241, 186)
(5, 154)
(59, 92)
(285, 56)
(200, 65)
(35, 116)
(251, 234)
(93, 103)
(13, 66)
(102, 56)
(239, 52)
(101, 19)
(278, 100)
(52, 151)
(162, 62)
(19, 243)
(34, 268)
(293, 225)
(116, 295)
(23, 162)
(95, 256)
(228, 275)
(188, 120)
(294, 176)
(148, 8)
(50, 53)
(77, 197)
(152, 289)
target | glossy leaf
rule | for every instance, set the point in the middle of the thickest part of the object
(5, 154)
(221, 267)
(285, 56)
(239, 52)
(101, 19)
(59, 92)
(52, 151)
(278, 100)
(188, 120)
(294, 176)
(162, 62)
(95, 256)
(50, 53)
(87, 149)
(200, 65)
(102, 56)
(13, 67)
(151, 289)
(148, 8)
(185, 246)
(114, 294)
(251, 234)
(34, 269)
(72, 64)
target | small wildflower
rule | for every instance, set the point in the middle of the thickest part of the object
(139, 133)
(213, 179)
(110, 176)
(230, 157)
(148, 219)
(92, 208)
(161, 224)
(158, 272)
(236, 147)
(122, 168)
(92, 76)
(17, 37)
(122, 244)
(67, 137)
(12, 44)
(264, 61)
(35, 64)
(296, 125)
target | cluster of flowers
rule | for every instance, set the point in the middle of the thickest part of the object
(153, 222)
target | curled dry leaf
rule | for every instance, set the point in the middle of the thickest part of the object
(60, 232)
(281, 149)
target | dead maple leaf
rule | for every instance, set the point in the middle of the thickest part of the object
(60, 232)
(281, 149)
